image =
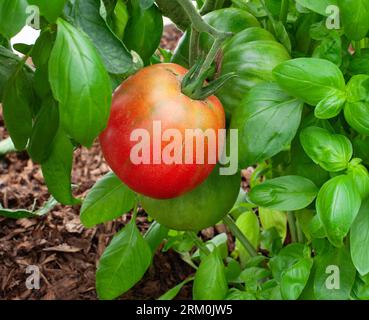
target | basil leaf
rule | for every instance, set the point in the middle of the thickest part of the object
(13, 15)
(317, 6)
(356, 109)
(286, 193)
(17, 108)
(51, 10)
(85, 15)
(123, 263)
(172, 293)
(145, 4)
(44, 131)
(155, 235)
(8, 63)
(80, 83)
(267, 121)
(210, 281)
(334, 275)
(355, 18)
(274, 219)
(359, 174)
(310, 79)
(359, 240)
(108, 199)
(248, 223)
(331, 151)
(57, 169)
(331, 106)
(330, 48)
(337, 205)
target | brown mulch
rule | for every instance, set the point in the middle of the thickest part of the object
(65, 251)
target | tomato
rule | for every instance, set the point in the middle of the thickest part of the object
(154, 94)
(227, 20)
(252, 54)
(144, 29)
(201, 208)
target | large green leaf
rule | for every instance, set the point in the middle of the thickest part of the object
(44, 131)
(337, 205)
(310, 79)
(360, 176)
(57, 169)
(355, 18)
(13, 15)
(284, 193)
(108, 199)
(17, 108)
(80, 83)
(318, 6)
(51, 10)
(356, 109)
(123, 263)
(8, 64)
(85, 14)
(267, 121)
(359, 240)
(210, 281)
(331, 151)
(334, 274)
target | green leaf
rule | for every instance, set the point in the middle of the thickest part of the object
(359, 174)
(51, 10)
(85, 15)
(286, 193)
(355, 18)
(155, 235)
(172, 293)
(13, 15)
(248, 223)
(331, 106)
(20, 213)
(145, 4)
(359, 240)
(291, 268)
(310, 79)
(337, 205)
(331, 151)
(334, 275)
(44, 131)
(356, 109)
(330, 48)
(57, 169)
(210, 281)
(108, 199)
(17, 109)
(361, 148)
(219, 242)
(174, 11)
(8, 63)
(123, 263)
(274, 219)
(361, 287)
(80, 83)
(295, 278)
(267, 121)
(319, 6)
(236, 294)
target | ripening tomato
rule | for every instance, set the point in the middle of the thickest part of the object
(146, 102)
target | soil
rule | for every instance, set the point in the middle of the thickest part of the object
(66, 252)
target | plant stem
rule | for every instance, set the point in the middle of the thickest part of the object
(198, 242)
(7, 146)
(198, 23)
(208, 6)
(292, 226)
(194, 45)
(300, 235)
(228, 221)
(284, 11)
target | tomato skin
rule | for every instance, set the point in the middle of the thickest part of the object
(252, 54)
(198, 209)
(154, 94)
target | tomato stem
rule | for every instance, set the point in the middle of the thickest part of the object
(228, 221)
(194, 45)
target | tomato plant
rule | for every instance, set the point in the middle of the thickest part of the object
(289, 77)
